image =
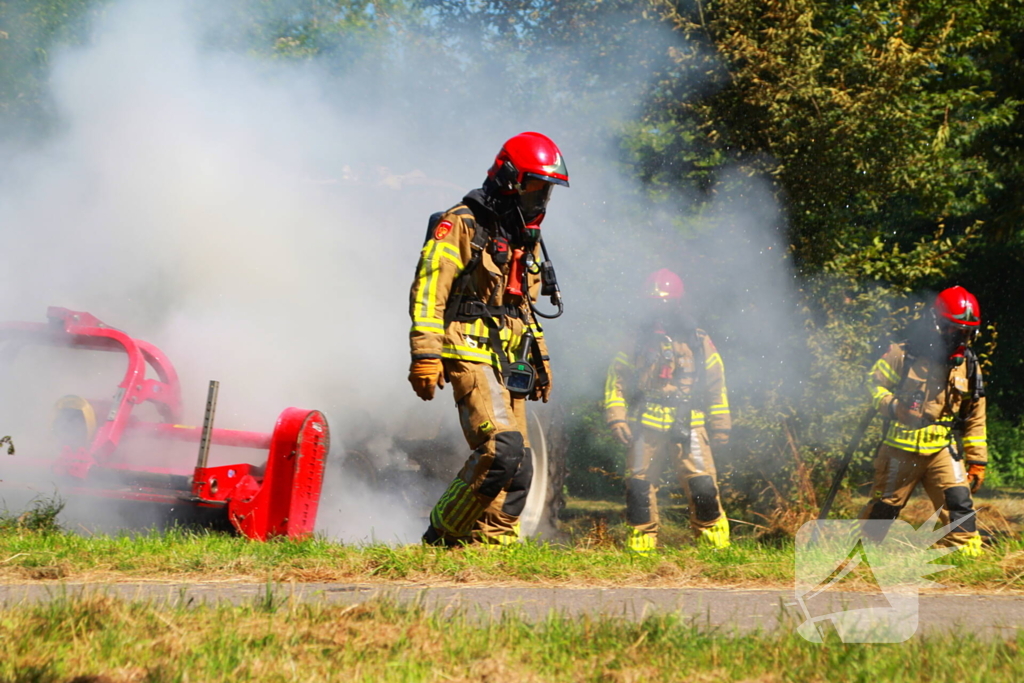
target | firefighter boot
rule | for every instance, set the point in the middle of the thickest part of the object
(640, 543)
(716, 536)
(972, 548)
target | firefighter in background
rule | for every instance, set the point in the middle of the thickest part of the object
(931, 393)
(472, 320)
(665, 398)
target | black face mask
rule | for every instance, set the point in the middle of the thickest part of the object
(954, 337)
(534, 204)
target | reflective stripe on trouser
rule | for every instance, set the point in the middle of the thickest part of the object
(651, 452)
(897, 472)
(474, 504)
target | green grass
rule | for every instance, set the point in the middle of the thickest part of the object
(195, 556)
(102, 639)
(35, 549)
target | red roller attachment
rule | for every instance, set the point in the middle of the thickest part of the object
(285, 502)
(103, 445)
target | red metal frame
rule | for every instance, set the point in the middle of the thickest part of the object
(280, 499)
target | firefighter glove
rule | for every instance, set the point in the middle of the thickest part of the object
(542, 389)
(621, 431)
(424, 375)
(975, 475)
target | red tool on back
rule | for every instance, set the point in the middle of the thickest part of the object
(106, 450)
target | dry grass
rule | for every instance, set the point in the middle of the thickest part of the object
(99, 639)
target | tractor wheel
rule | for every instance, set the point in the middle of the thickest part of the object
(530, 522)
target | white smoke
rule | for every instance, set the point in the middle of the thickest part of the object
(260, 222)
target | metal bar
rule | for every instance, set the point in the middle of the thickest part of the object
(218, 437)
(858, 435)
(211, 408)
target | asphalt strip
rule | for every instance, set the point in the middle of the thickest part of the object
(719, 610)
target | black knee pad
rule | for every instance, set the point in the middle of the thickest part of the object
(961, 509)
(705, 498)
(638, 501)
(519, 487)
(508, 454)
(880, 510)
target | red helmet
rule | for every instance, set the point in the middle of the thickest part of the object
(528, 155)
(663, 285)
(957, 307)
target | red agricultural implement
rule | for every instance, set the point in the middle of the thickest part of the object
(133, 451)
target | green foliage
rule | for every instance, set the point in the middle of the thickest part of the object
(40, 517)
(596, 462)
(866, 115)
(1005, 450)
(29, 32)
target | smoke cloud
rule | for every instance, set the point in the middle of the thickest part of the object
(260, 221)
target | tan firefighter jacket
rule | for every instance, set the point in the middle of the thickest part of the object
(645, 381)
(446, 253)
(945, 393)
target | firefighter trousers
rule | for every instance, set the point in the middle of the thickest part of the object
(484, 501)
(649, 454)
(897, 473)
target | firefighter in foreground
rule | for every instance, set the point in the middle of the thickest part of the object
(475, 326)
(665, 398)
(930, 391)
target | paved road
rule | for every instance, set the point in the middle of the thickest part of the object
(727, 610)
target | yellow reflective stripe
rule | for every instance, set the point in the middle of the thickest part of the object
(718, 410)
(470, 354)
(621, 357)
(430, 266)
(475, 328)
(422, 278)
(882, 366)
(429, 325)
(877, 394)
(663, 417)
(713, 360)
(975, 440)
(612, 397)
(449, 252)
(926, 440)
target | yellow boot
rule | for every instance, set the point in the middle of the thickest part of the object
(717, 536)
(972, 548)
(640, 543)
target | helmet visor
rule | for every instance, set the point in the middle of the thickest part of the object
(533, 198)
(956, 335)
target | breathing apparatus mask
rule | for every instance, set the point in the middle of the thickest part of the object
(955, 340)
(521, 208)
(533, 197)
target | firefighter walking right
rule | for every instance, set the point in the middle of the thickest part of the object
(665, 398)
(931, 393)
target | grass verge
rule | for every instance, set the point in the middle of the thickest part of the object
(100, 639)
(34, 548)
(197, 556)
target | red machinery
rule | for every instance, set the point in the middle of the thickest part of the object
(107, 458)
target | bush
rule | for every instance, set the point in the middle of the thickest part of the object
(40, 517)
(1005, 449)
(596, 462)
